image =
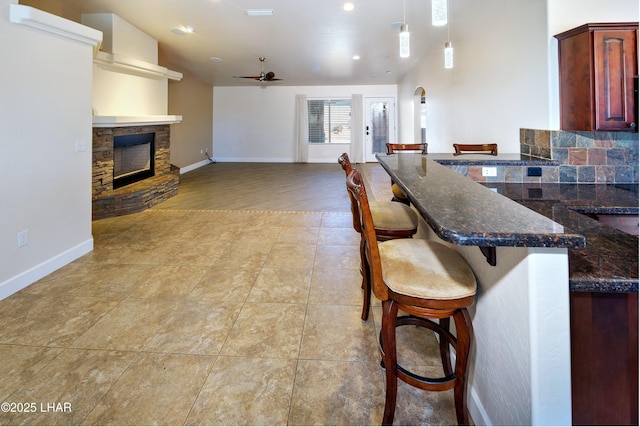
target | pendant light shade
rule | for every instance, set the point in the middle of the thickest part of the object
(438, 12)
(405, 47)
(448, 55)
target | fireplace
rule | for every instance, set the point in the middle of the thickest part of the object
(133, 158)
(131, 169)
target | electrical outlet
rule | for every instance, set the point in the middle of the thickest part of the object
(487, 171)
(202, 151)
(81, 146)
(23, 238)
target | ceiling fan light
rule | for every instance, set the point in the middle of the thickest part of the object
(438, 12)
(405, 42)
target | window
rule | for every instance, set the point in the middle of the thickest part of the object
(329, 120)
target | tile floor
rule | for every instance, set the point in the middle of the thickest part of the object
(207, 317)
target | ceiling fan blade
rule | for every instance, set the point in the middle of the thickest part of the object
(247, 77)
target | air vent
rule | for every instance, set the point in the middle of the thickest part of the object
(259, 12)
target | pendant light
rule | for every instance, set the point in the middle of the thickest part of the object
(405, 47)
(438, 12)
(448, 55)
(405, 43)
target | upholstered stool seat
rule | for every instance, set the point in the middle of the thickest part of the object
(425, 269)
(432, 283)
(393, 217)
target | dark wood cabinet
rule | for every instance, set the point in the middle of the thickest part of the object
(604, 358)
(598, 65)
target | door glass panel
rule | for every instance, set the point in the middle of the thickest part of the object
(379, 127)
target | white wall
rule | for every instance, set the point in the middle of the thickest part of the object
(45, 108)
(505, 73)
(254, 124)
(495, 86)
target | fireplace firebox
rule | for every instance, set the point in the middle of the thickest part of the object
(133, 158)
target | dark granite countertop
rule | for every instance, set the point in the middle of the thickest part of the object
(601, 258)
(609, 263)
(466, 213)
(507, 159)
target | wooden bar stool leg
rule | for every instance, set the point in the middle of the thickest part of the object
(464, 331)
(389, 316)
(366, 282)
(445, 349)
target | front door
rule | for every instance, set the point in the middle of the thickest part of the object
(380, 126)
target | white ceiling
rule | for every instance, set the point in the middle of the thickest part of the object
(307, 42)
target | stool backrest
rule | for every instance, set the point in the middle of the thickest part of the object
(359, 193)
(475, 148)
(394, 148)
(346, 166)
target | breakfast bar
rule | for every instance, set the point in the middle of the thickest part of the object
(520, 364)
(520, 370)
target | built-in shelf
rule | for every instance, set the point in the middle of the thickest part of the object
(46, 22)
(121, 121)
(117, 62)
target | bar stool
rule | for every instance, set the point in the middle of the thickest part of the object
(391, 221)
(398, 194)
(427, 280)
(491, 149)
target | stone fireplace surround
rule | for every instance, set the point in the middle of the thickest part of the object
(109, 202)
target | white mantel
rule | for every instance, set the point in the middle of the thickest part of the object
(122, 121)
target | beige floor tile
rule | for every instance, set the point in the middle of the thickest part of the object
(45, 321)
(20, 363)
(116, 280)
(338, 236)
(337, 393)
(196, 327)
(336, 287)
(266, 330)
(432, 408)
(224, 283)
(307, 235)
(129, 326)
(286, 285)
(78, 378)
(337, 257)
(170, 281)
(155, 389)
(245, 391)
(335, 332)
(287, 255)
(338, 219)
(304, 219)
(246, 253)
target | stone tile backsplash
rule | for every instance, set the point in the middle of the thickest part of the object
(584, 157)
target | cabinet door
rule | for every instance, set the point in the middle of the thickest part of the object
(615, 67)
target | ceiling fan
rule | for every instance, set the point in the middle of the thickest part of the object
(263, 77)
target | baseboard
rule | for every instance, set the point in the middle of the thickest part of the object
(194, 166)
(22, 280)
(476, 410)
(254, 160)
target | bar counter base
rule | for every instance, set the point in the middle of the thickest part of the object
(604, 358)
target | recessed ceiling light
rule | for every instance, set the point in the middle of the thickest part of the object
(182, 30)
(348, 7)
(215, 59)
(356, 57)
(259, 12)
